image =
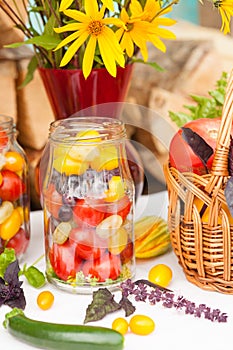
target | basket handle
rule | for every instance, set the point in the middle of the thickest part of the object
(220, 161)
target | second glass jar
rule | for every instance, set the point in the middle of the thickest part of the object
(87, 195)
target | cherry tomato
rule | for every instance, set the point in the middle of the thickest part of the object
(45, 300)
(64, 261)
(14, 161)
(127, 254)
(10, 226)
(107, 267)
(86, 213)
(181, 155)
(11, 187)
(3, 139)
(88, 244)
(121, 207)
(160, 274)
(53, 201)
(19, 242)
(120, 325)
(141, 325)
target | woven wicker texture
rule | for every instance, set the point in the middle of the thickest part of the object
(200, 225)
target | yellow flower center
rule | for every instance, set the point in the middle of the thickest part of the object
(95, 28)
(217, 3)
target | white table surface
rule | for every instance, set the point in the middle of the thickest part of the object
(173, 329)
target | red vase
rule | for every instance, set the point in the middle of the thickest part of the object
(98, 95)
(69, 92)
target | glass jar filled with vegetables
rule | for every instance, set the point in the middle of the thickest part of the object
(87, 195)
(14, 190)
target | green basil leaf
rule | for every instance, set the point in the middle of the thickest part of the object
(34, 277)
(6, 257)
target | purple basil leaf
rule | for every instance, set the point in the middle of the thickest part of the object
(199, 146)
(17, 300)
(229, 194)
(11, 293)
(126, 305)
(230, 158)
(102, 304)
(11, 273)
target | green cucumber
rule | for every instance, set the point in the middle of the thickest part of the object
(57, 336)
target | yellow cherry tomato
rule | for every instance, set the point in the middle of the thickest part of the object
(120, 325)
(89, 135)
(45, 300)
(118, 241)
(69, 166)
(10, 226)
(116, 189)
(205, 217)
(160, 274)
(141, 325)
(107, 160)
(14, 161)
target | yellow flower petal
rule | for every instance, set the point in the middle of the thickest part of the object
(68, 28)
(127, 44)
(91, 8)
(73, 49)
(89, 56)
(157, 42)
(65, 4)
(67, 40)
(109, 4)
(77, 15)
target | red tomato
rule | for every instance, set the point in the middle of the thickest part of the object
(63, 260)
(11, 187)
(86, 213)
(3, 139)
(181, 155)
(53, 200)
(89, 245)
(108, 266)
(121, 207)
(127, 254)
(19, 242)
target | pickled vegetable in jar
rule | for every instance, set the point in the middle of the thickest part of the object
(88, 203)
(14, 190)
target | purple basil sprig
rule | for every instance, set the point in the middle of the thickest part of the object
(155, 294)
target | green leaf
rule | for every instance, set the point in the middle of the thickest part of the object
(48, 42)
(34, 277)
(151, 64)
(102, 304)
(6, 257)
(179, 118)
(32, 66)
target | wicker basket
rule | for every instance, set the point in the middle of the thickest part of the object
(204, 249)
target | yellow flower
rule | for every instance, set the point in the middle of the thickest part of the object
(225, 8)
(135, 33)
(91, 27)
(142, 26)
(66, 3)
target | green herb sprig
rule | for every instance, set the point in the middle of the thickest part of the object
(205, 107)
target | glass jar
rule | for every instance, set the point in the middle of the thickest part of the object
(14, 190)
(88, 203)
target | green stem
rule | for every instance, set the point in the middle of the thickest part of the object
(38, 260)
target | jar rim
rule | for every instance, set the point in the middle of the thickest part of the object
(107, 128)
